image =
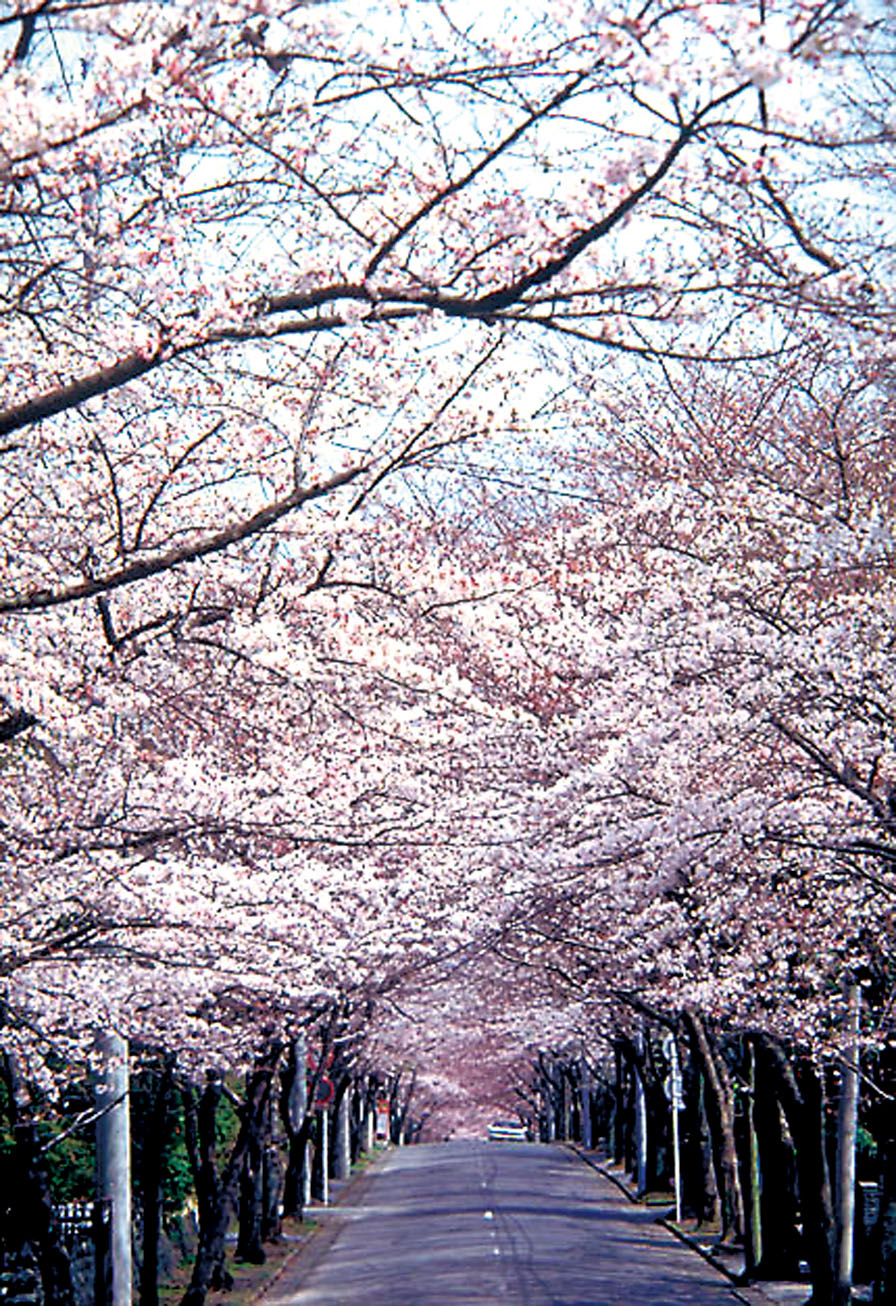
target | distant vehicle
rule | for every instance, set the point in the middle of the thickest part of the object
(507, 1131)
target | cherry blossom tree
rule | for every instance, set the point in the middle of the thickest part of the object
(301, 695)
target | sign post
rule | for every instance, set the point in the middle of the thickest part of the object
(674, 1094)
(382, 1120)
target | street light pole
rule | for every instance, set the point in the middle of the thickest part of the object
(113, 1157)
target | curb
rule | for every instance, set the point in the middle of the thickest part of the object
(733, 1279)
(595, 1165)
(736, 1282)
(319, 1238)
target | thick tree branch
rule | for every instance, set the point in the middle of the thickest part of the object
(15, 724)
(37, 600)
(456, 186)
(387, 304)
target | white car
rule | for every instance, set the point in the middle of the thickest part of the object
(507, 1131)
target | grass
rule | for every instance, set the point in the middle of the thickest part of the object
(249, 1281)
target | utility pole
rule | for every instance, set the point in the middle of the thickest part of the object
(324, 1142)
(547, 1092)
(846, 1142)
(297, 1107)
(113, 1157)
(640, 1120)
(342, 1160)
(587, 1141)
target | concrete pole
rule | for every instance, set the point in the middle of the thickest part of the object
(640, 1121)
(550, 1112)
(755, 1241)
(369, 1131)
(298, 1089)
(587, 1141)
(846, 1142)
(297, 1106)
(324, 1140)
(342, 1140)
(306, 1175)
(113, 1157)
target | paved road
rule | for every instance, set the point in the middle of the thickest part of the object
(467, 1223)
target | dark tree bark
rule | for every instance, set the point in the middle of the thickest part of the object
(298, 1122)
(297, 1159)
(701, 1192)
(802, 1098)
(619, 1131)
(657, 1108)
(31, 1213)
(16, 723)
(719, 1105)
(883, 1126)
(151, 1183)
(209, 1193)
(249, 1246)
(629, 1141)
(550, 1093)
(780, 1255)
(218, 1194)
(401, 1106)
(273, 1178)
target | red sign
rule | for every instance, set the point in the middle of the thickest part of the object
(326, 1092)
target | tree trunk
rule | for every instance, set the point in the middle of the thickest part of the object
(719, 1102)
(802, 1098)
(202, 1143)
(273, 1178)
(400, 1112)
(710, 1211)
(651, 1116)
(699, 1193)
(251, 1191)
(630, 1143)
(883, 1123)
(780, 1255)
(151, 1183)
(32, 1209)
(297, 1122)
(218, 1196)
(816, 1198)
(618, 1152)
(586, 1097)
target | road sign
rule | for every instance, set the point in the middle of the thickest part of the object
(672, 1083)
(326, 1093)
(672, 1086)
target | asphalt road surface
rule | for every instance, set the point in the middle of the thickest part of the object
(467, 1222)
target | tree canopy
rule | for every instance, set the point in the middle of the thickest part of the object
(447, 506)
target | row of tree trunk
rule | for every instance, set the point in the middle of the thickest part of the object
(300, 1122)
(767, 1142)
